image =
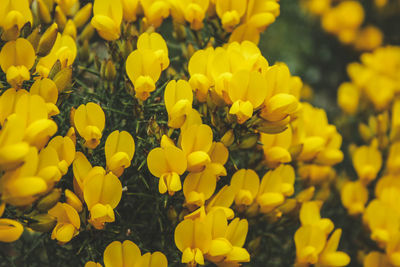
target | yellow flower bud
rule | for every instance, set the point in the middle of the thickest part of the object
(70, 29)
(82, 16)
(44, 222)
(43, 12)
(49, 201)
(10, 230)
(47, 40)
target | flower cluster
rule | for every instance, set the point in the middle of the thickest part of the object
(378, 157)
(98, 99)
(348, 29)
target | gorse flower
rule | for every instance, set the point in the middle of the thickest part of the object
(68, 222)
(89, 121)
(119, 254)
(107, 18)
(167, 163)
(16, 59)
(119, 150)
(14, 15)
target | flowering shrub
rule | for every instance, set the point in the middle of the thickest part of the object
(158, 133)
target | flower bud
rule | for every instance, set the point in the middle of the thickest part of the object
(63, 79)
(60, 18)
(43, 12)
(110, 71)
(87, 33)
(47, 41)
(83, 15)
(70, 29)
(248, 141)
(34, 38)
(228, 138)
(44, 223)
(48, 201)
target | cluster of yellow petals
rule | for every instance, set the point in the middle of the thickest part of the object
(348, 29)
(127, 253)
(375, 79)
(240, 77)
(312, 243)
(211, 237)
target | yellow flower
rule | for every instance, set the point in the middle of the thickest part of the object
(310, 216)
(68, 222)
(354, 196)
(196, 143)
(65, 149)
(310, 241)
(155, 43)
(155, 11)
(348, 97)
(194, 12)
(119, 150)
(230, 12)
(48, 166)
(14, 14)
(143, 70)
(102, 194)
(367, 161)
(382, 220)
(368, 38)
(156, 259)
(73, 200)
(89, 121)
(107, 18)
(219, 156)
(245, 32)
(193, 239)
(393, 160)
(83, 170)
(8, 100)
(317, 7)
(222, 201)
(119, 254)
(13, 149)
(261, 13)
(276, 147)
(22, 186)
(337, 21)
(198, 187)
(247, 91)
(33, 110)
(16, 59)
(129, 8)
(199, 70)
(330, 256)
(167, 163)
(178, 98)
(47, 89)
(10, 230)
(376, 259)
(245, 184)
(227, 240)
(64, 50)
(92, 264)
(275, 186)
